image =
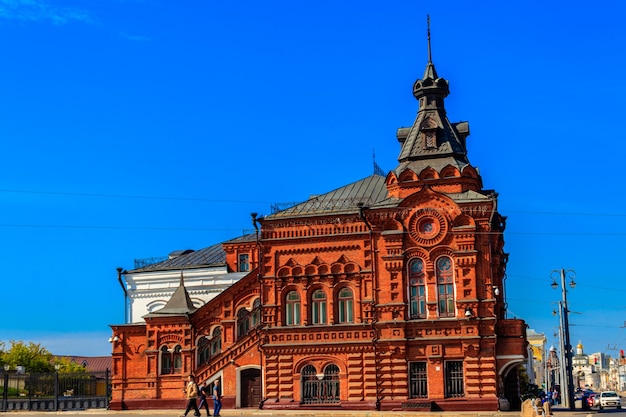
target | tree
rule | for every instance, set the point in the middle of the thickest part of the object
(67, 366)
(32, 356)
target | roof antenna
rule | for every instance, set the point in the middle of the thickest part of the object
(377, 169)
(428, 25)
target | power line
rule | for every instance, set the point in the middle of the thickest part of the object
(161, 228)
(209, 200)
(130, 196)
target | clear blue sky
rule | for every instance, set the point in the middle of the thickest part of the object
(133, 128)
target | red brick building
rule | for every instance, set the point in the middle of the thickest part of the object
(386, 293)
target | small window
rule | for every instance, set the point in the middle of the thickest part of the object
(244, 262)
(418, 380)
(454, 379)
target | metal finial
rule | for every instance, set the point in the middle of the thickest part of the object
(428, 25)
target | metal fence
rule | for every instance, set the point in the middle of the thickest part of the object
(54, 391)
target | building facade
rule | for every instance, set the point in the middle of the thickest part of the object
(387, 293)
(149, 286)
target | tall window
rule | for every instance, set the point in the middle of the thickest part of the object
(177, 359)
(292, 309)
(345, 306)
(417, 290)
(244, 262)
(256, 312)
(318, 307)
(243, 322)
(445, 287)
(454, 379)
(418, 380)
(204, 352)
(216, 341)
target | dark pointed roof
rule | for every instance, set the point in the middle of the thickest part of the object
(432, 141)
(179, 304)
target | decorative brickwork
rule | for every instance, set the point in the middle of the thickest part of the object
(386, 294)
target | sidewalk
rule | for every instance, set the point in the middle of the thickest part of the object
(252, 412)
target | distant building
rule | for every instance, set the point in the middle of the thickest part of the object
(537, 359)
(90, 363)
(387, 293)
(583, 371)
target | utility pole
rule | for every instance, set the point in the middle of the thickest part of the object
(567, 353)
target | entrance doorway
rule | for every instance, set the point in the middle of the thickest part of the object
(250, 388)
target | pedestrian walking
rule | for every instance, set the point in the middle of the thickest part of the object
(191, 393)
(217, 398)
(203, 390)
(538, 406)
(547, 408)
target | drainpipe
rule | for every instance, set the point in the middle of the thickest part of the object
(363, 217)
(121, 271)
(256, 221)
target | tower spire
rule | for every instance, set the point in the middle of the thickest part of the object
(430, 58)
(430, 67)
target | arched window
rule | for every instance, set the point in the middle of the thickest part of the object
(345, 306)
(166, 361)
(292, 308)
(177, 358)
(243, 322)
(318, 307)
(445, 287)
(417, 289)
(309, 384)
(322, 388)
(204, 352)
(256, 312)
(216, 341)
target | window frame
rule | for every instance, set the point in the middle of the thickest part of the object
(345, 306)
(417, 290)
(418, 379)
(444, 274)
(243, 262)
(319, 307)
(293, 309)
(454, 379)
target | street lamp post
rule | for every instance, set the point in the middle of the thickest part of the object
(56, 386)
(567, 352)
(5, 390)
